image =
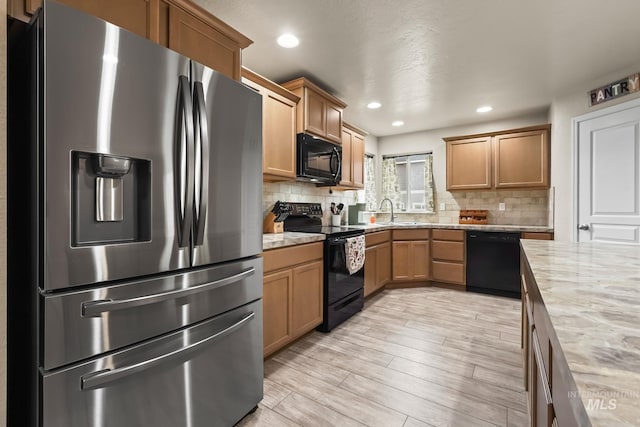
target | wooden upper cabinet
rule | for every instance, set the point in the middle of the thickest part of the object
(352, 156)
(346, 178)
(333, 122)
(357, 162)
(192, 31)
(133, 15)
(469, 164)
(319, 113)
(522, 159)
(179, 25)
(278, 127)
(517, 158)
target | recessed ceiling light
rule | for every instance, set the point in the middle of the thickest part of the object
(397, 123)
(288, 41)
(484, 109)
(373, 105)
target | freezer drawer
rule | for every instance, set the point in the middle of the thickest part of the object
(206, 375)
(83, 324)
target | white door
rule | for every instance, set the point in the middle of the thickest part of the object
(609, 175)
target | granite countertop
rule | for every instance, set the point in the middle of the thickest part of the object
(369, 228)
(592, 294)
(288, 238)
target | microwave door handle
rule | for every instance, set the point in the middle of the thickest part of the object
(184, 142)
(201, 196)
(103, 377)
(337, 153)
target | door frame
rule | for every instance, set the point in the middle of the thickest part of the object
(575, 152)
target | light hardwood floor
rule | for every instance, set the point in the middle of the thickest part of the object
(412, 357)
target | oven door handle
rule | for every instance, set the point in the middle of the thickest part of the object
(94, 308)
(103, 377)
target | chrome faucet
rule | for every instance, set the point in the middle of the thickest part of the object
(390, 203)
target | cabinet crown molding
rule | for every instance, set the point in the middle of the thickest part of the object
(304, 82)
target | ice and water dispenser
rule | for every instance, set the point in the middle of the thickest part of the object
(111, 199)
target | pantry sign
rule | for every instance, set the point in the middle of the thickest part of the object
(615, 90)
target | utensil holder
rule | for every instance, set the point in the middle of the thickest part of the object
(335, 220)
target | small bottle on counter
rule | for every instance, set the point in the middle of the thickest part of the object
(372, 219)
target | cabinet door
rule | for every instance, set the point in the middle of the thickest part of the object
(383, 265)
(469, 164)
(279, 136)
(370, 270)
(522, 159)
(276, 301)
(132, 15)
(333, 125)
(357, 160)
(401, 261)
(347, 138)
(316, 114)
(192, 37)
(420, 260)
(306, 299)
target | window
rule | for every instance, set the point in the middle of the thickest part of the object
(408, 182)
(370, 183)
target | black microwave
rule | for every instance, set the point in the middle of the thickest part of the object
(319, 161)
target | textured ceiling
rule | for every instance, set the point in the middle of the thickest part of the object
(431, 63)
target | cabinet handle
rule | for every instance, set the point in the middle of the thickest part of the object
(541, 371)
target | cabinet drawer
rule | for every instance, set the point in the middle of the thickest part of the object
(448, 251)
(276, 259)
(448, 272)
(537, 236)
(453, 235)
(411, 234)
(372, 239)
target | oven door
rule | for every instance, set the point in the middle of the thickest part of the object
(318, 161)
(339, 283)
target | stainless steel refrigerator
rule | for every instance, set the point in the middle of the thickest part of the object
(135, 193)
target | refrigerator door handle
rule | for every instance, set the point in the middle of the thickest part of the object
(202, 144)
(184, 162)
(103, 377)
(96, 307)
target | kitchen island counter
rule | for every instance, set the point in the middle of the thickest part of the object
(591, 292)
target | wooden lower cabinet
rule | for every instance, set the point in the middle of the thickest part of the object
(537, 236)
(277, 310)
(411, 260)
(292, 294)
(377, 267)
(448, 256)
(306, 298)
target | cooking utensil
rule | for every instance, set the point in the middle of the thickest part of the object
(333, 208)
(340, 207)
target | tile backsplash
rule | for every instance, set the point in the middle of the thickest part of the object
(294, 191)
(522, 207)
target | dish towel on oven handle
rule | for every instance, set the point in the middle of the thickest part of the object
(354, 251)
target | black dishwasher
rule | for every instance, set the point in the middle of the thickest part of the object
(493, 263)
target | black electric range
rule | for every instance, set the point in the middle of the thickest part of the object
(343, 294)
